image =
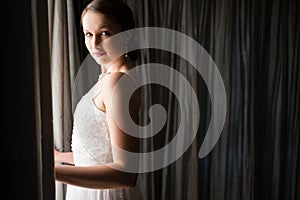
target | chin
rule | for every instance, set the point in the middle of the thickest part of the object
(99, 61)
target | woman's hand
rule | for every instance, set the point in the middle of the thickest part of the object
(57, 158)
(63, 157)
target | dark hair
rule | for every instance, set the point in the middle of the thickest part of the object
(118, 11)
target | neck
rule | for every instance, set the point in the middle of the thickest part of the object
(119, 64)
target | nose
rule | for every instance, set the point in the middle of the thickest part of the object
(96, 41)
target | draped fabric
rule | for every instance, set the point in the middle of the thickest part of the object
(64, 54)
(255, 45)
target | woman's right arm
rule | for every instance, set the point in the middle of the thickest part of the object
(63, 157)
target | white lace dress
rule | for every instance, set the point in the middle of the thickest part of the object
(91, 146)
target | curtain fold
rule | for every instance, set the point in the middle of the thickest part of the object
(255, 45)
(65, 61)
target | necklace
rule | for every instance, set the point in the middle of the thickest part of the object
(102, 75)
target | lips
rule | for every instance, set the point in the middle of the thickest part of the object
(98, 53)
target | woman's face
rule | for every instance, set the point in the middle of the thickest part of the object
(97, 28)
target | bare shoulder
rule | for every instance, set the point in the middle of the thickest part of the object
(114, 77)
(120, 86)
(112, 80)
(118, 82)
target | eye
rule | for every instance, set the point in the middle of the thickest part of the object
(105, 33)
(88, 34)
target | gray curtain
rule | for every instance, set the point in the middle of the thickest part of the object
(65, 62)
(255, 45)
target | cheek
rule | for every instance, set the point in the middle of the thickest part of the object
(87, 44)
(111, 46)
(107, 48)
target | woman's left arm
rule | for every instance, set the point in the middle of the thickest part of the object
(115, 174)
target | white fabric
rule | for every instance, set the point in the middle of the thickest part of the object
(91, 146)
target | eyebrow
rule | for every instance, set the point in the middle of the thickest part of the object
(103, 26)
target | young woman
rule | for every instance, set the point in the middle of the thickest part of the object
(96, 169)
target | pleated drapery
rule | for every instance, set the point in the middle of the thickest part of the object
(255, 45)
(65, 61)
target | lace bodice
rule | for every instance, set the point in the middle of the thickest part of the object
(91, 146)
(90, 140)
